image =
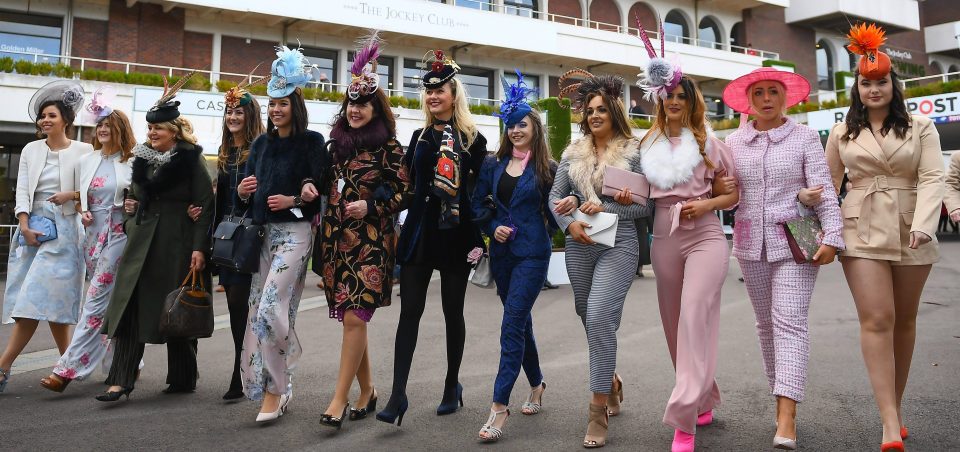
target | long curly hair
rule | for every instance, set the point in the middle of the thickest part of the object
(252, 128)
(897, 120)
(618, 114)
(121, 135)
(695, 118)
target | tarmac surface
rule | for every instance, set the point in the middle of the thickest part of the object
(839, 413)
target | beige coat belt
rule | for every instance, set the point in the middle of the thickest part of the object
(873, 185)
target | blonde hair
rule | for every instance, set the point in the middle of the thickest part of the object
(182, 127)
(694, 118)
(782, 95)
(462, 119)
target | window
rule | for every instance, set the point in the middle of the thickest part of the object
(525, 8)
(675, 27)
(384, 69)
(479, 84)
(412, 72)
(715, 107)
(709, 34)
(824, 67)
(31, 34)
(326, 61)
(474, 4)
(532, 82)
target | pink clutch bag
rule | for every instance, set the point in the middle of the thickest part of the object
(616, 179)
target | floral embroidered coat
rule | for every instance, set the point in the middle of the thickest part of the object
(358, 255)
(772, 167)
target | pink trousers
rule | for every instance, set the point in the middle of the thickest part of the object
(690, 267)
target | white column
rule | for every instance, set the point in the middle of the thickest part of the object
(215, 55)
(397, 75)
(497, 86)
(343, 66)
(543, 8)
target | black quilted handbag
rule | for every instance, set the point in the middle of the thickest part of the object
(187, 311)
(236, 244)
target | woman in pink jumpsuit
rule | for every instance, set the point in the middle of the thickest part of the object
(690, 256)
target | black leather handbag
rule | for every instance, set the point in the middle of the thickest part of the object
(236, 244)
(187, 311)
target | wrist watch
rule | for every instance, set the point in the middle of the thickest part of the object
(297, 201)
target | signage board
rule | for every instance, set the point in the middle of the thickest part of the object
(942, 108)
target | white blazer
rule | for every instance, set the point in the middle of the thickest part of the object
(88, 168)
(34, 158)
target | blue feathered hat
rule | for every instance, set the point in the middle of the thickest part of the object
(514, 106)
(291, 70)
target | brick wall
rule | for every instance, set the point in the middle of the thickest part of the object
(123, 32)
(911, 42)
(764, 28)
(239, 57)
(161, 36)
(569, 8)
(197, 50)
(934, 12)
(88, 41)
(646, 14)
(606, 12)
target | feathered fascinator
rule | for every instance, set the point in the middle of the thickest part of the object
(100, 106)
(364, 80)
(611, 85)
(291, 70)
(166, 108)
(660, 76)
(67, 91)
(514, 106)
(239, 95)
(442, 69)
(865, 40)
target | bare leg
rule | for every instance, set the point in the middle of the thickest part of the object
(365, 379)
(61, 335)
(270, 403)
(351, 353)
(871, 283)
(23, 330)
(786, 415)
(908, 282)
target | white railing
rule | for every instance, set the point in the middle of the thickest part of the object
(916, 81)
(616, 28)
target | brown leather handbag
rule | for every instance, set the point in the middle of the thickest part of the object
(188, 311)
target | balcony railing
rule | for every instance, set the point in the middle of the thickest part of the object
(514, 10)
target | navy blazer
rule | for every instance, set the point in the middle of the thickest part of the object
(529, 211)
(423, 210)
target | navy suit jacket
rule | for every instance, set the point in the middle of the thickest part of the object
(529, 211)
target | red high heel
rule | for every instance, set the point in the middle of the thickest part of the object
(904, 433)
(892, 446)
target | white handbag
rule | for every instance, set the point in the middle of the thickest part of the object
(603, 226)
(482, 276)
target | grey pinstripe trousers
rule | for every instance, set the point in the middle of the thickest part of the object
(601, 277)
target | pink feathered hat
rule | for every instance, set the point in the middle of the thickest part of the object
(736, 96)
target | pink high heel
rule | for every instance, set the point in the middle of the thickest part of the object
(705, 418)
(682, 442)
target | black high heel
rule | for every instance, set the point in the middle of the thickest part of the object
(390, 417)
(113, 396)
(337, 422)
(361, 413)
(452, 407)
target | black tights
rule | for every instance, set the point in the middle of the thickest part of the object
(414, 281)
(238, 303)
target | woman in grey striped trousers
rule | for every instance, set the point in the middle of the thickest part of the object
(600, 275)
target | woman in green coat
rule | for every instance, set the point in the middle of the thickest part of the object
(163, 244)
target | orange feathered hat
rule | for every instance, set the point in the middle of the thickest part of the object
(865, 40)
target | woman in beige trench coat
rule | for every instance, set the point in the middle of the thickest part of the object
(889, 226)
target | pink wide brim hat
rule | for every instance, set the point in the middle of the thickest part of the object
(736, 96)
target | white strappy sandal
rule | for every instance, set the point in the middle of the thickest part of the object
(530, 408)
(493, 434)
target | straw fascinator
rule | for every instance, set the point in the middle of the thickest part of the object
(166, 109)
(364, 80)
(100, 106)
(514, 106)
(67, 91)
(865, 40)
(239, 96)
(610, 85)
(442, 69)
(291, 70)
(660, 76)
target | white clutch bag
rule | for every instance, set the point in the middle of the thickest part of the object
(603, 228)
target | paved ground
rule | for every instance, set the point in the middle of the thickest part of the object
(839, 414)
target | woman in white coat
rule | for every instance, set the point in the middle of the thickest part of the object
(104, 178)
(44, 275)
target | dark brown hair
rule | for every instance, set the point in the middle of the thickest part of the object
(381, 111)
(897, 120)
(252, 128)
(541, 157)
(694, 118)
(66, 113)
(121, 134)
(618, 113)
(298, 109)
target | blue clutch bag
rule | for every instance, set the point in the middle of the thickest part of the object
(40, 224)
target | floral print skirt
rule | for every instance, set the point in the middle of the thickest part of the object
(270, 345)
(102, 249)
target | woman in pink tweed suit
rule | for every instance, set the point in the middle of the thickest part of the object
(775, 158)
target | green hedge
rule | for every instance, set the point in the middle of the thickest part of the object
(6, 64)
(198, 83)
(559, 126)
(771, 63)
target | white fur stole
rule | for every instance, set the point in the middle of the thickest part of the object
(666, 166)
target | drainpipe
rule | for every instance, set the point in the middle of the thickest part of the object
(66, 47)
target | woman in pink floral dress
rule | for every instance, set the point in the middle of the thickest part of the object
(104, 176)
